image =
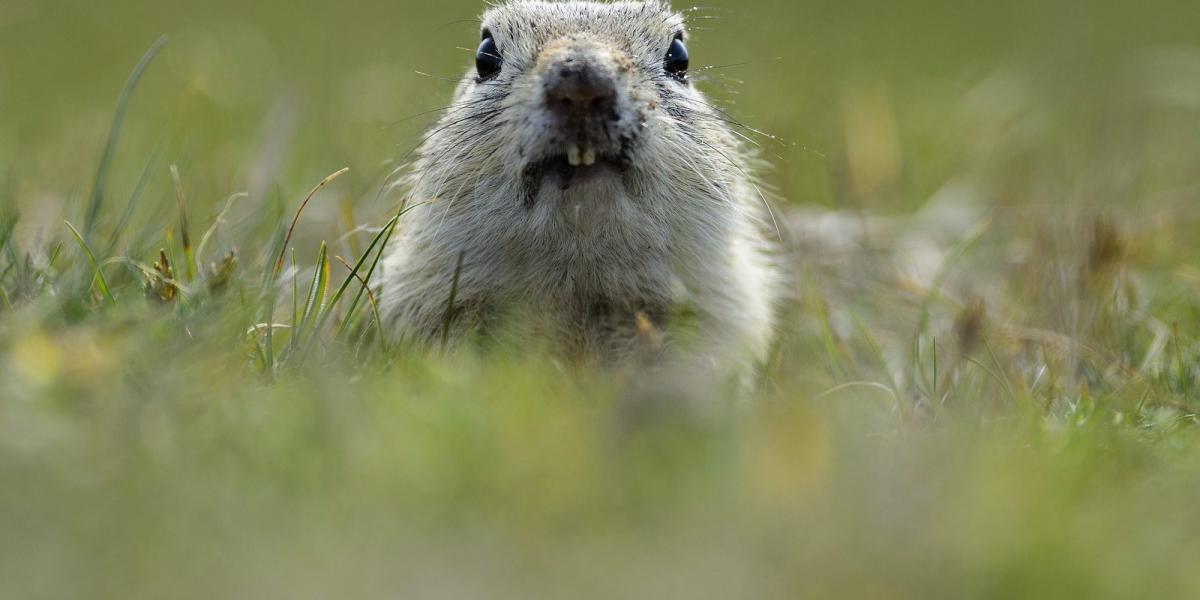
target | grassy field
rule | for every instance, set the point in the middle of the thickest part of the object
(985, 385)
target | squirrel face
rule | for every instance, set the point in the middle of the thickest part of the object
(574, 101)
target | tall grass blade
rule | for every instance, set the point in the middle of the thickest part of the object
(296, 218)
(354, 275)
(97, 273)
(295, 293)
(269, 274)
(185, 236)
(114, 134)
(375, 305)
(448, 319)
(134, 199)
(384, 236)
(48, 273)
(316, 295)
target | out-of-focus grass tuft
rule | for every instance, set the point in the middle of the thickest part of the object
(985, 383)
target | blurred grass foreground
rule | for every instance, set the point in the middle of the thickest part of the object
(986, 386)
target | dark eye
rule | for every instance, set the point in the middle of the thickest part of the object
(676, 62)
(487, 58)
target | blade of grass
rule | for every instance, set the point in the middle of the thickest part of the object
(449, 317)
(138, 189)
(269, 275)
(261, 354)
(934, 383)
(385, 235)
(337, 296)
(54, 256)
(268, 289)
(268, 350)
(370, 297)
(114, 133)
(49, 270)
(316, 295)
(296, 218)
(97, 274)
(267, 297)
(861, 384)
(204, 239)
(295, 292)
(185, 237)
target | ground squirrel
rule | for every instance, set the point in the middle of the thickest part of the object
(579, 178)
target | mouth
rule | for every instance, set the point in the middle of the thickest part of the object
(573, 168)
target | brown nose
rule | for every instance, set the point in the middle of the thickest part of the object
(576, 89)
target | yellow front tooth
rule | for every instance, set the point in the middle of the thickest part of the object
(573, 156)
(589, 157)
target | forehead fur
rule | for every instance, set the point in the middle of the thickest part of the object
(522, 27)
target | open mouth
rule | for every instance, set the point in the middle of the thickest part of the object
(577, 166)
(572, 168)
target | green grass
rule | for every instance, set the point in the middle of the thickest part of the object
(985, 387)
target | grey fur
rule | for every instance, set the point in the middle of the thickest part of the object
(604, 266)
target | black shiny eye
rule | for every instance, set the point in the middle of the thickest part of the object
(676, 62)
(487, 58)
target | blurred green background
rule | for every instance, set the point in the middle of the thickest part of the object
(917, 93)
(985, 384)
